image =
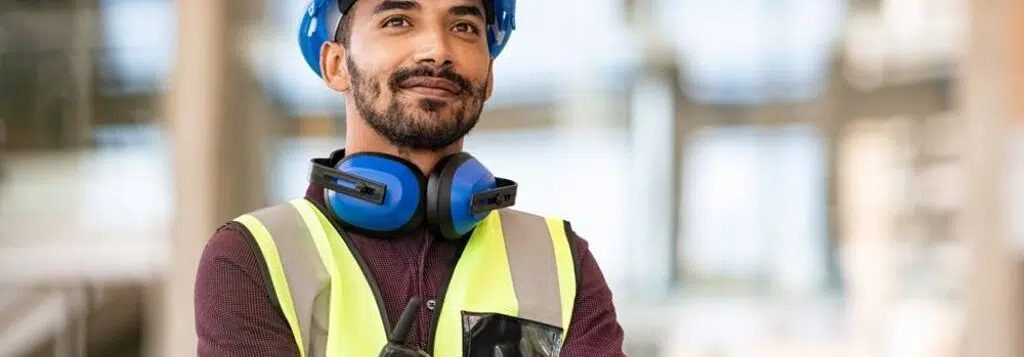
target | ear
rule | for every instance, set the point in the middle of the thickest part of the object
(332, 66)
(490, 80)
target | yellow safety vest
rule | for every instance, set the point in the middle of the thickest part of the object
(514, 264)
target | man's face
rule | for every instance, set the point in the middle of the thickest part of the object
(420, 70)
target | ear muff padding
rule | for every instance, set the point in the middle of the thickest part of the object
(402, 209)
(451, 186)
(439, 195)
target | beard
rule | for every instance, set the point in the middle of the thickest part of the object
(424, 125)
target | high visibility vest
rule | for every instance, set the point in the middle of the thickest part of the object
(513, 265)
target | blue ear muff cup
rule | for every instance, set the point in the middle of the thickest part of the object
(451, 187)
(402, 209)
(469, 179)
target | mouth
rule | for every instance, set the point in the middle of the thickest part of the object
(431, 86)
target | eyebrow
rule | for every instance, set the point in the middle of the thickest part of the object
(460, 10)
(466, 10)
(389, 5)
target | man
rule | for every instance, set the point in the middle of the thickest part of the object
(402, 216)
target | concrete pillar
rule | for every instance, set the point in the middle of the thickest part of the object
(989, 102)
(868, 203)
(1019, 78)
(656, 143)
(218, 125)
(71, 337)
(654, 184)
(84, 39)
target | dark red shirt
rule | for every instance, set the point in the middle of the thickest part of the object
(236, 318)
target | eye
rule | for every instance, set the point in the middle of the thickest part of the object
(395, 22)
(466, 27)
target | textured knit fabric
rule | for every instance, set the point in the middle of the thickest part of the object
(236, 318)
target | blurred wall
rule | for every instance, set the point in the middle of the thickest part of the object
(990, 100)
(788, 177)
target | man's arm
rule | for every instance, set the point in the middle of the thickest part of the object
(234, 315)
(594, 331)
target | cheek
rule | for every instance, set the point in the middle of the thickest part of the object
(477, 68)
(374, 80)
(375, 57)
(384, 53)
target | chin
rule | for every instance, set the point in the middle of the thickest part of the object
(431, 105)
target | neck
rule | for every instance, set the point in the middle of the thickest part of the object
(360, 137)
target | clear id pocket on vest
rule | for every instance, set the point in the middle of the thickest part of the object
(497, 335)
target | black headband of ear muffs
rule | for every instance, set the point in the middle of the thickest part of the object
(345, 5)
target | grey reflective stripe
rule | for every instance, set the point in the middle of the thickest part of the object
(531, 259)
(321, 313)
(301, 264)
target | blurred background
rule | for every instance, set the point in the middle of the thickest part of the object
(755, 177)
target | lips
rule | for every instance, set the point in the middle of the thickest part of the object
(431, 83)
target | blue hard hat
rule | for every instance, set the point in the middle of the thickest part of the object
(321, 18)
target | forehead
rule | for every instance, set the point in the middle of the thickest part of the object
(366, 7)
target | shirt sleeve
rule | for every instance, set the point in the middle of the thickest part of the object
(233, 313)
(594, 330)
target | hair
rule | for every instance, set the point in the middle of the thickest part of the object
(344, 32)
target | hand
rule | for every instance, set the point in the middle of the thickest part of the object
(401, 351)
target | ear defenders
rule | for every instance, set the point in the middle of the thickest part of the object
(377, 194)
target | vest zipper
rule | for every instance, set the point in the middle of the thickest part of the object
(421, 333)
(435, 316)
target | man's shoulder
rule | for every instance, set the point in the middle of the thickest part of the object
(536, 214)
(234, 240)
(580, 246)
(228, 244)
(564, 221)
(233, 310)
(291, 203)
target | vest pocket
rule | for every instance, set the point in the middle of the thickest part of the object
(499, 335)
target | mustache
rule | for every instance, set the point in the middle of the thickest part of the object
(403, 74)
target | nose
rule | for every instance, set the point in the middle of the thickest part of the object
(434, 48)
